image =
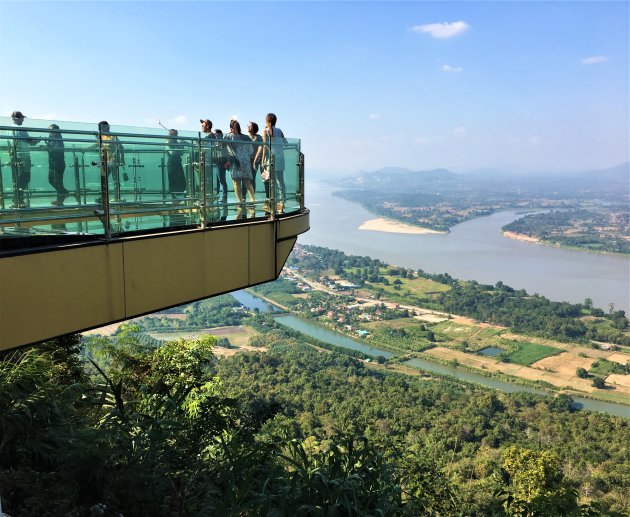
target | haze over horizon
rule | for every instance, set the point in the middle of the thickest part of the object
(537, 86)
(501, 171)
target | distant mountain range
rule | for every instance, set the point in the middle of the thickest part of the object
(399, 179)
(618, 173)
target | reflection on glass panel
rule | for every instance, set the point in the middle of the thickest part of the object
(75, 181)
(41, 180)
(291, 176)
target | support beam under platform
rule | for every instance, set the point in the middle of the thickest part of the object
(55, 291)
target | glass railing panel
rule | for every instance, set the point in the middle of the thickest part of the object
(285, 189)
(50, 179)
(291, 155)
(233, 168)
(42, 169)
(152, 182)
(258, 182)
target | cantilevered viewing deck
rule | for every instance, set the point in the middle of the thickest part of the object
(137, 226)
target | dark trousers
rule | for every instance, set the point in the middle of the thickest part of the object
(267, 189)
(55, 178)
(176, 176)
(221, 181)
(22, 177)
(177, 187)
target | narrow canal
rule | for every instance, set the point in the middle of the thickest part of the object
(334, 338)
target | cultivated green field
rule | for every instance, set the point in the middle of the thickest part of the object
(528, 353)
(418, 286)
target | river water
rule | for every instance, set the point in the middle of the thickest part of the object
(334, 338)
(474, 250)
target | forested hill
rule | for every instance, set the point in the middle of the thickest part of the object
(455, 435)
(141, 430)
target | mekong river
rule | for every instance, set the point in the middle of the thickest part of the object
(474, 250)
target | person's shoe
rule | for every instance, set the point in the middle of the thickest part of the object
(56, 202)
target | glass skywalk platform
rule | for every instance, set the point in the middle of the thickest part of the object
(134, 223)
(124, 181)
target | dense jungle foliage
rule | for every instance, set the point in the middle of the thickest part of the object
(122, 427)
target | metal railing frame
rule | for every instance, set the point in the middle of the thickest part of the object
(198, 145)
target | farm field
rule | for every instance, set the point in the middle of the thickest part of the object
(528, 353)
(420, 287)
(451, 337)
(514, 370)
(238, 336)
(430, 317)
(528, 358)
(620, 381)
(416, 286)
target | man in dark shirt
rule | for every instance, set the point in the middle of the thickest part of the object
(56, 163)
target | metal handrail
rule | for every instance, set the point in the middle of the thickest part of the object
(200, 172)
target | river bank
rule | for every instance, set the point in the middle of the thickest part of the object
(435, 365)
(474, 250)
(383, 224)
(547, 362)
(535, 240)
(520, 237)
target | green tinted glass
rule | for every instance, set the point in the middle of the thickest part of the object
(78, 180)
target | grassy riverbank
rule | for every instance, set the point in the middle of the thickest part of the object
(386, 306)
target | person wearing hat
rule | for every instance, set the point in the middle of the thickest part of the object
(20, 160)
(206, 127)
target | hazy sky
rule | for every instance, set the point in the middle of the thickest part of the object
(528, 85)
